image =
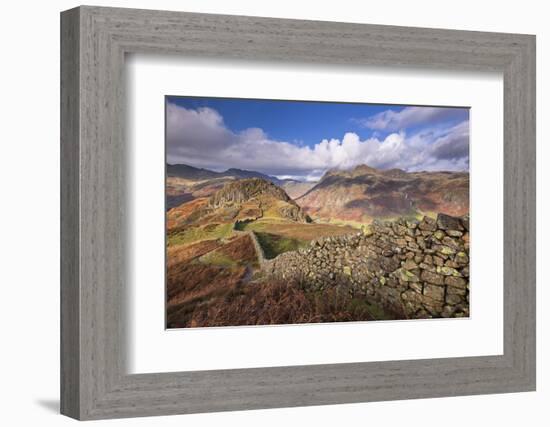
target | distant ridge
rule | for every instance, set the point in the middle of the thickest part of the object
(191, 172)
(208, 181)
(364, 192)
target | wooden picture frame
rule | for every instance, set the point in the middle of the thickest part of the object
(94, 382)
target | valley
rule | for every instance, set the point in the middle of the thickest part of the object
(226, 229)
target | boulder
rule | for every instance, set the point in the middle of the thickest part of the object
(447, 222)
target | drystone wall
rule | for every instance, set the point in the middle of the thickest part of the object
(258, 248)
(415, 269)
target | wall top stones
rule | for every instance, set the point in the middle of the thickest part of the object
(415, 269)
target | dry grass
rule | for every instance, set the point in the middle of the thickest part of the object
(183, 253)
(188, 235)
(241, 250)
(190, 283)
(269, 303)
(177, 216)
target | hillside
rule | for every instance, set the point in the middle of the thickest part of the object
(193, 173)
(245, 190)
(364, 193)
(296, 189)
(185, 183)
(216, 246)
(243, 251)
(242, 200)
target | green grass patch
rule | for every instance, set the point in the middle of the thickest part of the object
(261, 225)
(274, 245)
(196, 234)
(273, 211)
(242, 225)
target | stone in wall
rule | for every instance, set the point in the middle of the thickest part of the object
(416, 269)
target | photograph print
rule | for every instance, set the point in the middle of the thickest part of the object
(292, 212)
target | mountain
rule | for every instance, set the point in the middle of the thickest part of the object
(359, 194)
(190, 172)
(193, 173)
(240, 200)
(364, 193)
(244, 190)
(258, 195)
(295, 189)
(242, 174)
(292, 187)
(185, 183)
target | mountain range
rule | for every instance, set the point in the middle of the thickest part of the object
(223, 227)
(357, 195)
(190, 172)
(365, 193)
(185, 183)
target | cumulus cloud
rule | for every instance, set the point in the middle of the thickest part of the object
(391, 120)
(199, 137)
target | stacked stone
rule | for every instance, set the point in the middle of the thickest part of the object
(434, 273)
(418, 269)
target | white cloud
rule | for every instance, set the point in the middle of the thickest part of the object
(391, 120)
(200, 138)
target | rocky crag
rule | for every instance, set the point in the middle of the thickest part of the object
(415, 269)
(365, 193)
(243, 190)
(266, 194)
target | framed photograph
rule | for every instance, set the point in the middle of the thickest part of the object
(262, 213)
(297, 228)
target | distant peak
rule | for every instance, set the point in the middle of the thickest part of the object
(395, 173)
(358, 170)
(364, 169)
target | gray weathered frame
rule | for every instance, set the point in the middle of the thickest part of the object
(94, 42)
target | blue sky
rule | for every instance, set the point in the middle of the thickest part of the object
(303, 139)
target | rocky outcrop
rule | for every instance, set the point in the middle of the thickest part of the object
(268, 195)
(416, 269)
(243, 190)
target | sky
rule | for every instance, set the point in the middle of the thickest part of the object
(302, 140)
